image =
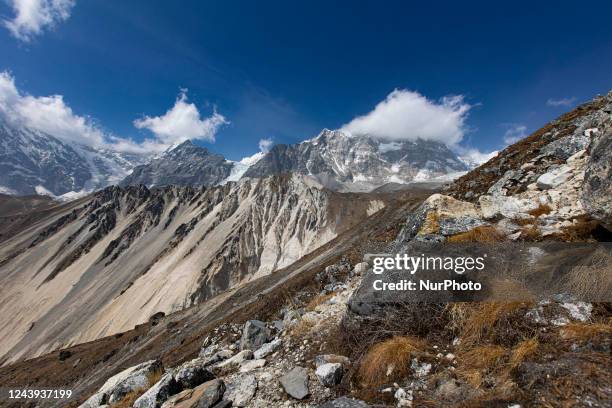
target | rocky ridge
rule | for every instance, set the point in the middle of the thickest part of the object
(360, 163)
(184, 165)
(101, 265)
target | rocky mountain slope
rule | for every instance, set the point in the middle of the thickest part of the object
(295, 338)
(32, 162)
(360, 163)
(105, 263)
(184, 165)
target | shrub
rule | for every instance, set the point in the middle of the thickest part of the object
(541, 209)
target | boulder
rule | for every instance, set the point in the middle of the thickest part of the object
(254, 335)
(241, 390)
(119, 385)
(251, 365)
(193, 373)
(203, 396)
(361, 268)
(295, 383)
(329, 374)
(597, 184)
(554, 177)
(331, 358)
(158, 393)
(233, 362)
(267, 349)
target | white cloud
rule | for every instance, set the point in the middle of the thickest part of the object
(514, 133)
(32, 17)
(408, 115)
(51, 114)
(265, 145)
(561, 102)
(182, 122)
(474, 157)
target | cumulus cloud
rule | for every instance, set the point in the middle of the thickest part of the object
(265, 145)
(182, 122)
(514, 133)
(474, 157)
(51, 114)
(561, 102)
(32, 17)
(408, 115)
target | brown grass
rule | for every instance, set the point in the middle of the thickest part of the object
(581, 230)
(302, 328)
(477, 320)
(523, 350)
(585, 331)
(318, 300)
(541, 209)
(482, 357)
(485, 233)
(154, 376)
(531, 234)
(128, 400)
(524, 221)
(390, 357)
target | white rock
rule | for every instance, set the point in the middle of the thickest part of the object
(361, 268)
(241, 390)
(251, 365)
(267, 349)
(555, 177)
(329, 374)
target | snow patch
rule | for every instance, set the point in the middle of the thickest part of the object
(6, 190)
(389, 147)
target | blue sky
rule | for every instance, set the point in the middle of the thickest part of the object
(285, 70)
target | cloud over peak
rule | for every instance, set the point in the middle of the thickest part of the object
(32, 17)
(408, 115)
(52, 115)
(182, 122)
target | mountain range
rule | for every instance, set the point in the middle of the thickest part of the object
(33, 162)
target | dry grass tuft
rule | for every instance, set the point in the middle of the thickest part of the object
(481, 322)
(154, 377)
(389, 360)
(531, 234)
(541, 209)
(522, 350)
(318, 300)
(129, 399)
(579, 231)
(524, 221)
(302, 328)
(485, 233)
(585, 331)
(482, 357)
